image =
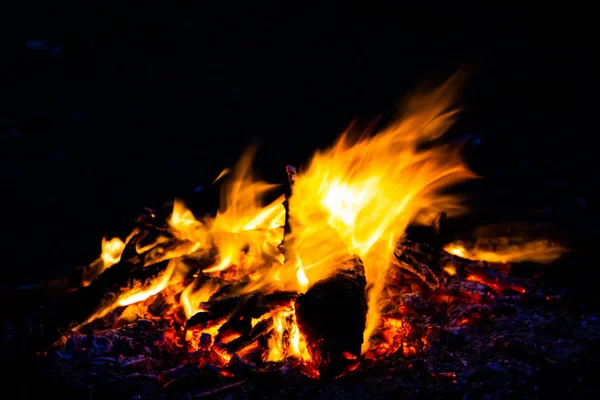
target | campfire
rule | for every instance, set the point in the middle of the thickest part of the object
(322, 283)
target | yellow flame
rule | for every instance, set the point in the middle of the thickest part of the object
(140, 292)
(540, 251)
(287, 340)
(302, 278)
(244, 232)
(191, 298)
(157, 285)
(110, 255)
(359, 198)
(111, 251)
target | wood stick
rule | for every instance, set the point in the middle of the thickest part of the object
(291, 173)
(219, 390)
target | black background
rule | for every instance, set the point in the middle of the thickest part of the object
(131, 107)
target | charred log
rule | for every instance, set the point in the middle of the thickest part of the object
(260, 329)
(332, 317)
(416, 258)
(287, 230)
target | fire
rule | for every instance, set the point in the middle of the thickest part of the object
(136, 296)
(111, 254)
(191, 297)
(301, 276)
(287, 340)
(356, 198)
(540, 251)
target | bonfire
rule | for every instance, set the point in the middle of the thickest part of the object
(322, 281)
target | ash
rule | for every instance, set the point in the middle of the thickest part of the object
(509, 338)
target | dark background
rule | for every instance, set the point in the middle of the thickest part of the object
(130, 108)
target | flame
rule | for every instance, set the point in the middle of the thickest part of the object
(110, 255)
(191, 297)
(111, 251)
(356, 198)
(287, 339)
(245, 233)
(540, 251)
(140, 294)
(450, 270)
(302, 279)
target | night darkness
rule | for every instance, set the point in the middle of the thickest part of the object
(132, 109)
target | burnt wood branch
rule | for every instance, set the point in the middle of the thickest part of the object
(237, 312)
(258, 305)
(76, 307)
(131, 271)
(261, 329)
(287, 230)
(416, 258)
(215, 312)
(332, 317)
(223, 389)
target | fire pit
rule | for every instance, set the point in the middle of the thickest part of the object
(321, 292)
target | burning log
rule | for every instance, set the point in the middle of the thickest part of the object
(332, 317)
(106, 288)
(238, 308)
(75, 308)
(260, 329)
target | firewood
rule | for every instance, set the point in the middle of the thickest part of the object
(76, 307)
(287, 230)
(416, 258)
(332, 317)
(222, 389)
(260, 329)
(215, 312)
(257, 305)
